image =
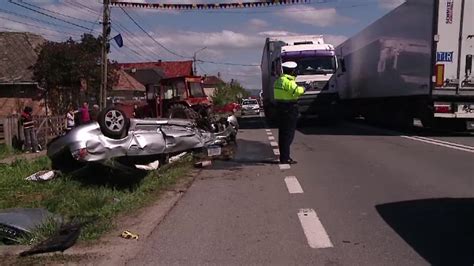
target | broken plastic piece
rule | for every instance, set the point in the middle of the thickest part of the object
(177, 157)
(128, 235)
(149, 167)
(203, 164)
(42, 176)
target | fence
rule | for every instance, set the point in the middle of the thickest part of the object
(47, 127)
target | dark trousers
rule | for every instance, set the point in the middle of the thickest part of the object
(287, 117)
(31, 142)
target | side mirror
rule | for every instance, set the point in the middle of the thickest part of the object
(468, 68)
(342, 63)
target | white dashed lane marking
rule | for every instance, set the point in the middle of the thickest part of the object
(269, 133)
(284, 166)
(271, 138)
(274, 144)
(268, 130)
(293, 185)
(314, 229)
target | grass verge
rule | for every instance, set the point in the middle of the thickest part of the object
(100, 194)
(6, 151)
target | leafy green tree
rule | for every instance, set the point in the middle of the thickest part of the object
(230, 92)
(61, 66)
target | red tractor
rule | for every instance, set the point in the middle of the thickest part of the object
(179, 97)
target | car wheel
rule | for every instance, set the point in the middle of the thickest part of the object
(114, 123)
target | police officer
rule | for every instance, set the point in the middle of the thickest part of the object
(286, 93)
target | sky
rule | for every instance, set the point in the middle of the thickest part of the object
(234, 36)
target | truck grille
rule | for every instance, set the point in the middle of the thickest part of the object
(314, 85)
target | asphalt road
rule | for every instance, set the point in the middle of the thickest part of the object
(358, 196)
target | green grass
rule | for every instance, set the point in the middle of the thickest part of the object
(6, 151)
(99, 195)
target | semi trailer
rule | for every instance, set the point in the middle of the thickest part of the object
(316, 64)
(414, 62)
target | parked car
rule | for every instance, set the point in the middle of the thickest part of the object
(250, 106)
(116, 140)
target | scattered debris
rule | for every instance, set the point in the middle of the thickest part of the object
(18, 222)
(203, 164)
(177, 157)
(149, 167)
(63, 239)
(42, 175)
(128, 235)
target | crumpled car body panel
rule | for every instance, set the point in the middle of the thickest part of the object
(145, 137)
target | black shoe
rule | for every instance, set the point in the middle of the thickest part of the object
(290, 161)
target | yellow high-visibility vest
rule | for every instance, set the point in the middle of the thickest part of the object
(286, 89)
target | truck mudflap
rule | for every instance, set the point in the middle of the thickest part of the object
(317, 104)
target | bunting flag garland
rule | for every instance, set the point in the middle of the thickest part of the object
(208, 6)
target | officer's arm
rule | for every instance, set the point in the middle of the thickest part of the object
(297, 90)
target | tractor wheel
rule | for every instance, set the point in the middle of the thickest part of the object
(182, 112)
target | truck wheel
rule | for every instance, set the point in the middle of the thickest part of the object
(113, 123)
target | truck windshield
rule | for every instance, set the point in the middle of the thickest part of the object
(315, 65)
(196, 89)
(249, 102)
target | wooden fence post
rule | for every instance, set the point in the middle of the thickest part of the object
(7, 133)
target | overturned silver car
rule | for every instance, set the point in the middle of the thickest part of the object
(118, 141)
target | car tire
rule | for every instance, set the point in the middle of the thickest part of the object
(114, 123)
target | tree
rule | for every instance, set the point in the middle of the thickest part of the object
(62, 66)
(230, 92)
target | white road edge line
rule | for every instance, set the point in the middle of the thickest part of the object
(314, 229)
(274, 144)
(445, 142)
(284, 166)
(276, 151)
(293, 185)
(439, 144)
(271, 138)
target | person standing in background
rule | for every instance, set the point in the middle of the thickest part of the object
(31, 142)
(85, 116)
(70, 119)
(95, 112)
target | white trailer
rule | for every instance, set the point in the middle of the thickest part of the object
(415, 62)
(316, 65)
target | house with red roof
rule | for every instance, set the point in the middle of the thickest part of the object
(134, 78)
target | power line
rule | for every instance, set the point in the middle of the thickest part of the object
(36, 19)
(36, 26)
(132, 40)
(226, 63)
(45, 34)
(54, 12)
(151, 37)
(50, 16)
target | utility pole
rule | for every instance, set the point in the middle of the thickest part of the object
(195, 60)
(105, 51)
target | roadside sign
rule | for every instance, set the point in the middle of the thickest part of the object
(444, 56)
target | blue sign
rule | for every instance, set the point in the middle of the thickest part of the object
(444, 56)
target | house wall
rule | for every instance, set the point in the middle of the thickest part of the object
(14, 98)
